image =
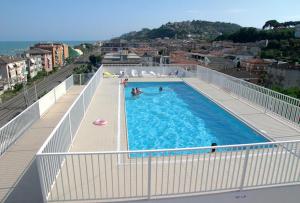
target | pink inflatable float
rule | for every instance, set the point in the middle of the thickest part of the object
(100, 122)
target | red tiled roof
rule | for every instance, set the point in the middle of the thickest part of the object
(257, 61)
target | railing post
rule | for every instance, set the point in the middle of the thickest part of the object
(70, 127)
(83, 102)
(267, 101)
(54, 92)
(244, 168)
(36, 95)
(149, 176)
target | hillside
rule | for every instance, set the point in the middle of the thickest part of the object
(282, 43)
(181, 30)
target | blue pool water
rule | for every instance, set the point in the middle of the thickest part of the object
(180, 117)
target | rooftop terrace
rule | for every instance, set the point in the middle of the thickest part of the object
(81, 161)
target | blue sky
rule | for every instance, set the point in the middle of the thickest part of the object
(104, 19)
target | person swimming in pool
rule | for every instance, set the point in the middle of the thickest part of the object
(160, 89)
(138, 91)
(133, 92)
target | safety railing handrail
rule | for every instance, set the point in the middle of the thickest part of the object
(251, 84)
(174, 150)
(5, 143)
(26, 109)
(66, 114)
(157, 65)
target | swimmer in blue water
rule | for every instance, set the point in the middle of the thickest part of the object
(133, 92)
(138, 91)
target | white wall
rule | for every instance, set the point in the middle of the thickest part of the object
(51, 97)
(46, 102)
(60, 90)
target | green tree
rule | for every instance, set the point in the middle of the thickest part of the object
(85, 68)
(271, 24)
(94, 60)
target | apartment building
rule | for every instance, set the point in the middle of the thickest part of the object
(12, 71)
(255, 65)
(114, 46)
(181, 57)
(33, 65)
(46, 57)
(59, 52)
(121, 57)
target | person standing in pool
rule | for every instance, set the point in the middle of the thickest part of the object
(133, 92)
(160, 89)
(138, 91)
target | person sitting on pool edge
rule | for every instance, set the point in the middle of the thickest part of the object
(133, 92)
(138, 91)
(160, 89)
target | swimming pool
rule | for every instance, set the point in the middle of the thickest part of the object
(180, 117)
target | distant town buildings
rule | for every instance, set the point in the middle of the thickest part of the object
(240, 60)
(59, 52)
(121, 57)
(12, 71)
(42, 56)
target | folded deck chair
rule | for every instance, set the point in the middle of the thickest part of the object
(107, 74)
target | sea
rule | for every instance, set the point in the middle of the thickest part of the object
(15, 47)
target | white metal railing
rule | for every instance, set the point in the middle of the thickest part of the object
(180, 71)
(185, 66)
(62, 136)
(82, 79)
(12, 130)
(154, 173)
(271, 101)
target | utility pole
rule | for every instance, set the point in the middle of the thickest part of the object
(25, 93)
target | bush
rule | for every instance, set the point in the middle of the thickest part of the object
(18, 87)
(83, 69)
(94, 60)
(292, 91)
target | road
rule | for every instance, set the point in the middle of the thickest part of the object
(28, 96)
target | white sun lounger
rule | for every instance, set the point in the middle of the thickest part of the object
(145, 74)
(152, 73)
(134, 73)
